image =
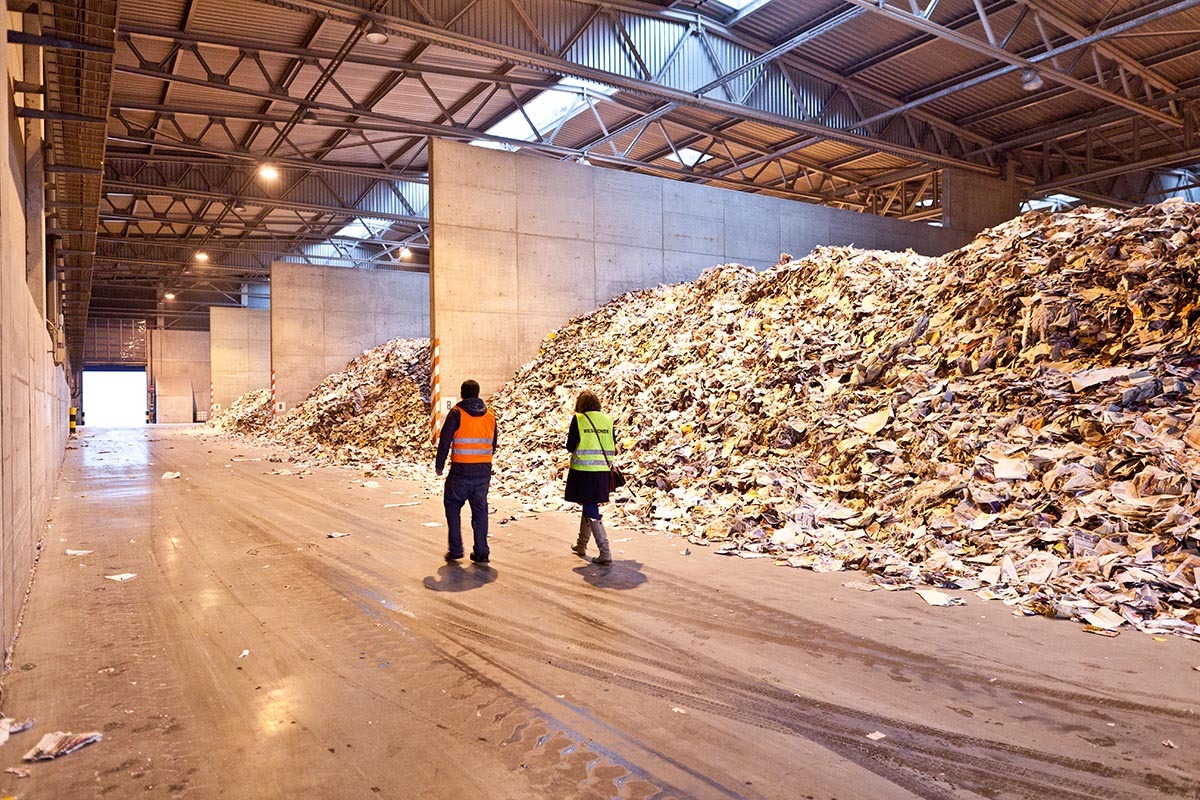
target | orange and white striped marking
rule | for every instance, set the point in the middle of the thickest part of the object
(435, 393)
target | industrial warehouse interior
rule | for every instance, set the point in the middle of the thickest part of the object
(639, 399)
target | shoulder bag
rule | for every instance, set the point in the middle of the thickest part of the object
(615, 479)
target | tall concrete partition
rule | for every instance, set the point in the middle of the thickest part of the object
(322, 317)
(239, 353)
(973, 202)
(520, 244)
(179, 368)
(33, 390)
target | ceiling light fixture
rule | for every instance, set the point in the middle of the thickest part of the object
(1030, 80)
(202, 256)
(376, 34)
(169, 295)
(239, 206)
(268, 172)
(405, 252)
(308, 118)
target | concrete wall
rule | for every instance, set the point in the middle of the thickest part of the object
(321, 317)
(520, 244)
(33, 391)
(239, 352)
(180, 372)
(973, 202)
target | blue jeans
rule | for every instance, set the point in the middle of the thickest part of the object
(471, 489)
(591, 510)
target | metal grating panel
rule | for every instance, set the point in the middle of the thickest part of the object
(78, 84)
(115, 341)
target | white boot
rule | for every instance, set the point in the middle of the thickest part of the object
(585, 532)
(601, 535)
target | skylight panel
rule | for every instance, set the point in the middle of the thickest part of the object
(363, 228)
(689, 157)
(1053, 202)
(544, 113)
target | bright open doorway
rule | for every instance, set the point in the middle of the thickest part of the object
(114, 397)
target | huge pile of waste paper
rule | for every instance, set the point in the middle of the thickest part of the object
(1017, 418)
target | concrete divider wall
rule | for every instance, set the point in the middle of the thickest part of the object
(179, 367)
(520, 244)
(33, 390)
(322, 317)
(239, 352)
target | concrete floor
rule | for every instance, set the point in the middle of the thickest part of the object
(375, 670)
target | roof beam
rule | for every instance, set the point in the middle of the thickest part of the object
(253, 200)
(222, 154)
(56, 42)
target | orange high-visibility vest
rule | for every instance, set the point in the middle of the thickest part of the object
(473, 439)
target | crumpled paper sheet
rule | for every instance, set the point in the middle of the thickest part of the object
(53, 745)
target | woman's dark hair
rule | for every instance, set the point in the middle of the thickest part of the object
(587, 402)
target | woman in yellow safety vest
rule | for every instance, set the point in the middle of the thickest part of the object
(592, 445)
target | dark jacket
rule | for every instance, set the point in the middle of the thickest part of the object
(476, 408)
(585, 487)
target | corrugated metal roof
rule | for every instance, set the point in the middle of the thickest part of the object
(876, 61)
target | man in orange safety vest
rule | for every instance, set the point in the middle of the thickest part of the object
(469, 438)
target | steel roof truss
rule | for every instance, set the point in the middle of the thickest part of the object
(1044, 63)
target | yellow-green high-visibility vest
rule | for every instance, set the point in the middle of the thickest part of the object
(595, 442)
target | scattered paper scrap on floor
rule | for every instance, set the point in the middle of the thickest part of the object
(121, 577)
(56, 744)
(1101, 631)
(935, 598)
(1105, 619)
(9, 725)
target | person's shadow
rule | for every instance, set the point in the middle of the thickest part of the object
(617, 575)
(456, 578)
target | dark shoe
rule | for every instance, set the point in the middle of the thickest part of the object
(451, 557)
(602, 560)
(479, 559)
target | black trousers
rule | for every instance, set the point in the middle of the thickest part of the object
(471, 489)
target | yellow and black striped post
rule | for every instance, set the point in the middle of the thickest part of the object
(74, 413)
